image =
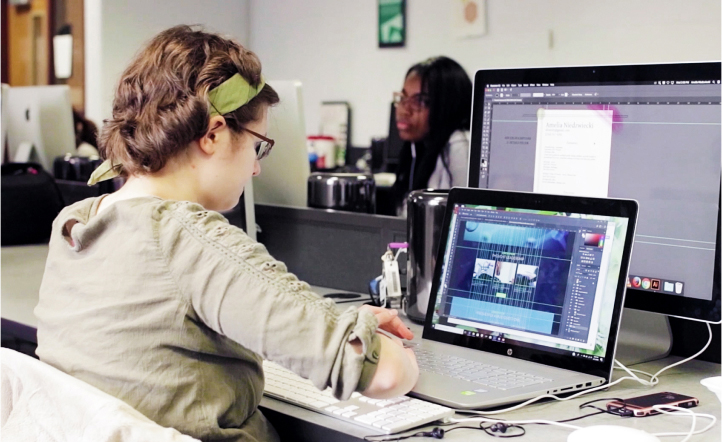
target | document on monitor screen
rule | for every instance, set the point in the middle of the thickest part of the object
(573, 152)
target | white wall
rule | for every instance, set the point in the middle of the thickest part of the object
(116, 29)
(331, 45)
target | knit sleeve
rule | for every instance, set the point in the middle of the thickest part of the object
(238, 290)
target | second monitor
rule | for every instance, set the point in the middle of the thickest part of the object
(284, 173)
(648, 132)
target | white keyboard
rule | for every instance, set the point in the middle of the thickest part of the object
(381, 415)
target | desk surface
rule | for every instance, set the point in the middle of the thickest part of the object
(683, 379)
(22, 269)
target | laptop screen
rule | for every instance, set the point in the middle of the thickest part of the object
(540, 279)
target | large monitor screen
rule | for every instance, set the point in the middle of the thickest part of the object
(647, 132)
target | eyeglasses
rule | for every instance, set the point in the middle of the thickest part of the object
(264, 147)
(416, 102)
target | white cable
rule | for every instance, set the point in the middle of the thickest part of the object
(696, 320)
(636, 371)
(521, 422)
(654, 380)
(666, 410)
(649, 383)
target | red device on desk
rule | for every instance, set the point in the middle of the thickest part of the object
(644, 405)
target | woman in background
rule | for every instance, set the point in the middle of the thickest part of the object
(433, 114)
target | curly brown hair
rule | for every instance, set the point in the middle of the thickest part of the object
(161, 104)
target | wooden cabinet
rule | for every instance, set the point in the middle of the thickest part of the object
(28, 31)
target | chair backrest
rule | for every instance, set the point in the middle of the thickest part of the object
(30, 202)
(41, 403)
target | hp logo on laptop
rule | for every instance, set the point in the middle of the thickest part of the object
(509, 352)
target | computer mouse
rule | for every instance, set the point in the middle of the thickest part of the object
(613, 433)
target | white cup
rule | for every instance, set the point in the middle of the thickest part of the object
(714, 384)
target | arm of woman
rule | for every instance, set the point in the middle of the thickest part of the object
(235, 288)
(396, 372)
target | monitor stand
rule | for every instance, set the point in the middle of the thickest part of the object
(643, 337)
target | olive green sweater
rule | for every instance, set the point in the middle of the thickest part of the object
(168, 307)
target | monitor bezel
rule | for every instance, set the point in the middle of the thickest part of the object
(536, 201)
(673, 305)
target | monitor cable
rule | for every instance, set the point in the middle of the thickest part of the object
(653, 378)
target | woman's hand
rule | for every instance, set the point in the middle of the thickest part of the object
(389, 321)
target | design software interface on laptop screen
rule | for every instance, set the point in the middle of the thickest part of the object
(657, 142)
(537, 277)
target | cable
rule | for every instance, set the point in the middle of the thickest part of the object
(521, 422)
(438, 433)
(666, 410)
(498, 427)
(654, 380)
(696, 320)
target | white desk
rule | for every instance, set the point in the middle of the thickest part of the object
(22, 269)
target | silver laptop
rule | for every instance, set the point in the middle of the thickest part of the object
(527, 297)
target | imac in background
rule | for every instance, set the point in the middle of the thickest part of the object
(284, 173)
(646, 132)
(39, 124)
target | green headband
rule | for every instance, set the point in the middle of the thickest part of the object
(225, 98)
(232, 94)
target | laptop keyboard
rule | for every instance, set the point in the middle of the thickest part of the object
(473, 371)
(380, 415)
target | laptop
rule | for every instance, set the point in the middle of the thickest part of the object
(526, 299)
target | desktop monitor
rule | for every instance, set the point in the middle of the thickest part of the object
(284, 173)
(39, 124)
(647, 132)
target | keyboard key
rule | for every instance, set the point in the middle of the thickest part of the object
(378, 415)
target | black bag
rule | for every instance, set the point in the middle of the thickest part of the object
(30, 202)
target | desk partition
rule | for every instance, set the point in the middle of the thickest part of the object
(329, 248)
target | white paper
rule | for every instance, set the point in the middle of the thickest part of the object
(468, 18)
(573, 151)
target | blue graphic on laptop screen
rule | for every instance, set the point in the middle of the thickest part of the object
(520, 271)
(546, 278)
